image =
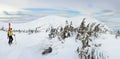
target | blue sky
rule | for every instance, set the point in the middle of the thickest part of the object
(84, 6)
(95, 8)
(55, 11)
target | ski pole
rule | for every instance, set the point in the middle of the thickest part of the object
(15, 39)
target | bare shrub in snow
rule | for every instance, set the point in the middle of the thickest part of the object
(87, 35)
(117, 34)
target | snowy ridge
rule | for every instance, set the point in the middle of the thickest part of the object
(54, 21)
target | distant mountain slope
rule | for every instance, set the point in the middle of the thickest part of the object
(55, 21)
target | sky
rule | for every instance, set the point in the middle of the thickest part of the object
(85, 6)
(97, 8)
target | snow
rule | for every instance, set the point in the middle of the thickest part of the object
(31, 46)
(111, 46)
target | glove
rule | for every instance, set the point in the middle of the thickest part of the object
(14, 34)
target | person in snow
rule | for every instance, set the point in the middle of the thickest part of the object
(10, 34)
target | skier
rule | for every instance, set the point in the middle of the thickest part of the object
(10, 33)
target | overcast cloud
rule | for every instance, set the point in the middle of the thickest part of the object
(65, 4)
(89, 7)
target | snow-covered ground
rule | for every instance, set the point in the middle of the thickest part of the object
(31, 46)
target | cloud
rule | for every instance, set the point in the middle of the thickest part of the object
(4, 7)
(49, 11)
(107, 11)
(87, 7)
(84, 6)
